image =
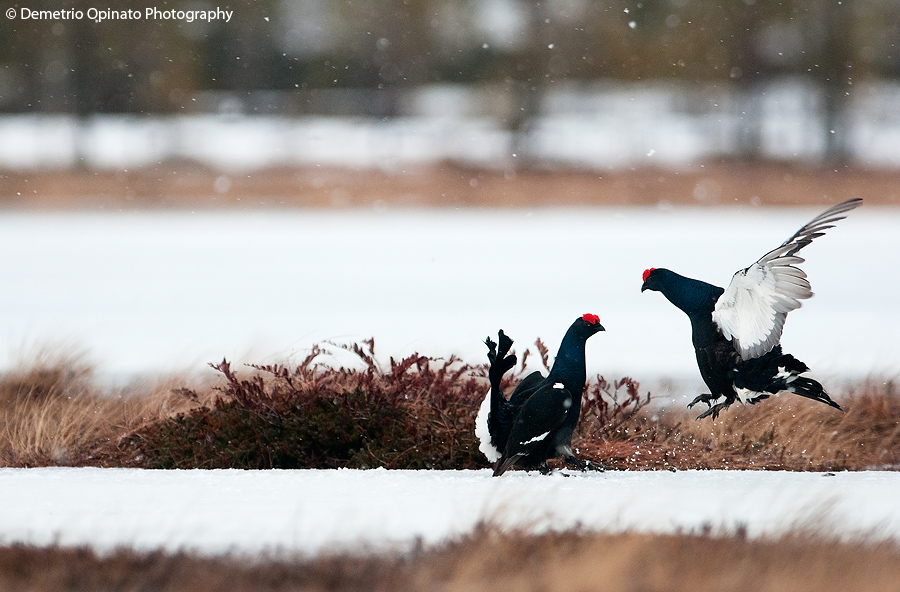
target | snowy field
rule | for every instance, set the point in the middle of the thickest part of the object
(311, 511)
(155, 292)
(158, 292)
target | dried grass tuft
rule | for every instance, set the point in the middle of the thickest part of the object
(781, 433)
(491, 560)
(54, 412)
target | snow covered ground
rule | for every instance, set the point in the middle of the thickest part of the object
(151, 292)
(311, 511)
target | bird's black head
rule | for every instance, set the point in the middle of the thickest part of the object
(653, 279)
(568, 367)
(688, 294)
(589, 323)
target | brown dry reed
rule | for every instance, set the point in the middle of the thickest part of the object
(490, 560)
(54, 412)
(780, 433)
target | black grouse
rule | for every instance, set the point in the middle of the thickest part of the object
(737, 331)
(537, 421)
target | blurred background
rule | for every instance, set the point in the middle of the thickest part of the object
(293, 174)
(596, 84)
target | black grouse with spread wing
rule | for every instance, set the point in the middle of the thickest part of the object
(737, 331)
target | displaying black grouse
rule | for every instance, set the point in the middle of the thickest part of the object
(737, 331)
(537, 421)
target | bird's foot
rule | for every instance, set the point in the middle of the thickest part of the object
(585, 465)
(704, 398)
(714, 410)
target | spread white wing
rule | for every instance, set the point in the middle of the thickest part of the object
(752, 309)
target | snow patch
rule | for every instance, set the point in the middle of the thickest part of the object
(310, 511)
(143, 289)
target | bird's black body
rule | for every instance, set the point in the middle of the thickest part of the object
(736, 331)
(722, 368)
(536, 422)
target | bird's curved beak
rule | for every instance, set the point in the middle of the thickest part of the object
(644, 287)
(601, 328)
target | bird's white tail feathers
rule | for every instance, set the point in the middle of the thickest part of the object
(483, 433)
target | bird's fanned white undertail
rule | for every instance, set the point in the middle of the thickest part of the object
(483, 433)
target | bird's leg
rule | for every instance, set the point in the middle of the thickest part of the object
(704, 398)
(577, 463)
(580, 464)
(585, 465)
(714, 410)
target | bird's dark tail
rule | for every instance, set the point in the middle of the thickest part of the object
(786, 371)
(500, 412)
(811, 389)
(501, 363)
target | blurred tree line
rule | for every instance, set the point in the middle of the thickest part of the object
(294, 47)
